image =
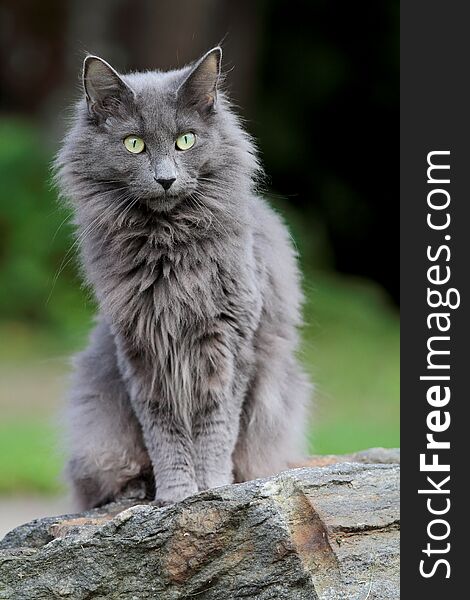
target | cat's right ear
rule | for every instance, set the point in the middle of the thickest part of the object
(105, 91)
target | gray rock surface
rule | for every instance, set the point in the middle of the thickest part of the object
(329, 532)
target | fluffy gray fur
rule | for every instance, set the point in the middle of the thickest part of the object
(190, 379)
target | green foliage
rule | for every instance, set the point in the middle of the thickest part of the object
(29, 459)
(38, 283)
(351, 349)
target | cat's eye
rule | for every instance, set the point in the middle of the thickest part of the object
(185, 141)
(134, 144)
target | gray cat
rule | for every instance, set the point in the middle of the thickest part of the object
(190, 380)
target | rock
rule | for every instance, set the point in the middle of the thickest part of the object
(386, 456)
(311, 533)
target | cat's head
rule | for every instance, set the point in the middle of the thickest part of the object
(156, 136)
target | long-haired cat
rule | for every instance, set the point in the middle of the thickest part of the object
(190, 379)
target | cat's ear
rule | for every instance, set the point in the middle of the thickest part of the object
(199, 89)
(105, 91)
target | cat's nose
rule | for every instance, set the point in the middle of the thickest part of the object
(166, 183)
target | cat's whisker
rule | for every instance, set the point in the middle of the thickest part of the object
(101, 193)
(79, 240)
(201, 208)
(126, 211)
(206, 210)
(58, 229)
(206, 207)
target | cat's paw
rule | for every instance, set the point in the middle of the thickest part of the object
(133, 490)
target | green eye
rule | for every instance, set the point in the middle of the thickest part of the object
(134, 144)
(185, 141)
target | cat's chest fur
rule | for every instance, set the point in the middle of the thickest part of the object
(154, 291)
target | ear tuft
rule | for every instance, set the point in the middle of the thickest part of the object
(104, 89)
(199, 89)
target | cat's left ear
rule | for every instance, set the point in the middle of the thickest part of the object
(105, 91)
(199, 89)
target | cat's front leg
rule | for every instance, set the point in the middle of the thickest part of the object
(215, 436)
(166, 431)
(217, 416)
(170, 448)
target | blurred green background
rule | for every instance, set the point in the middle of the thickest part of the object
(317, 83)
